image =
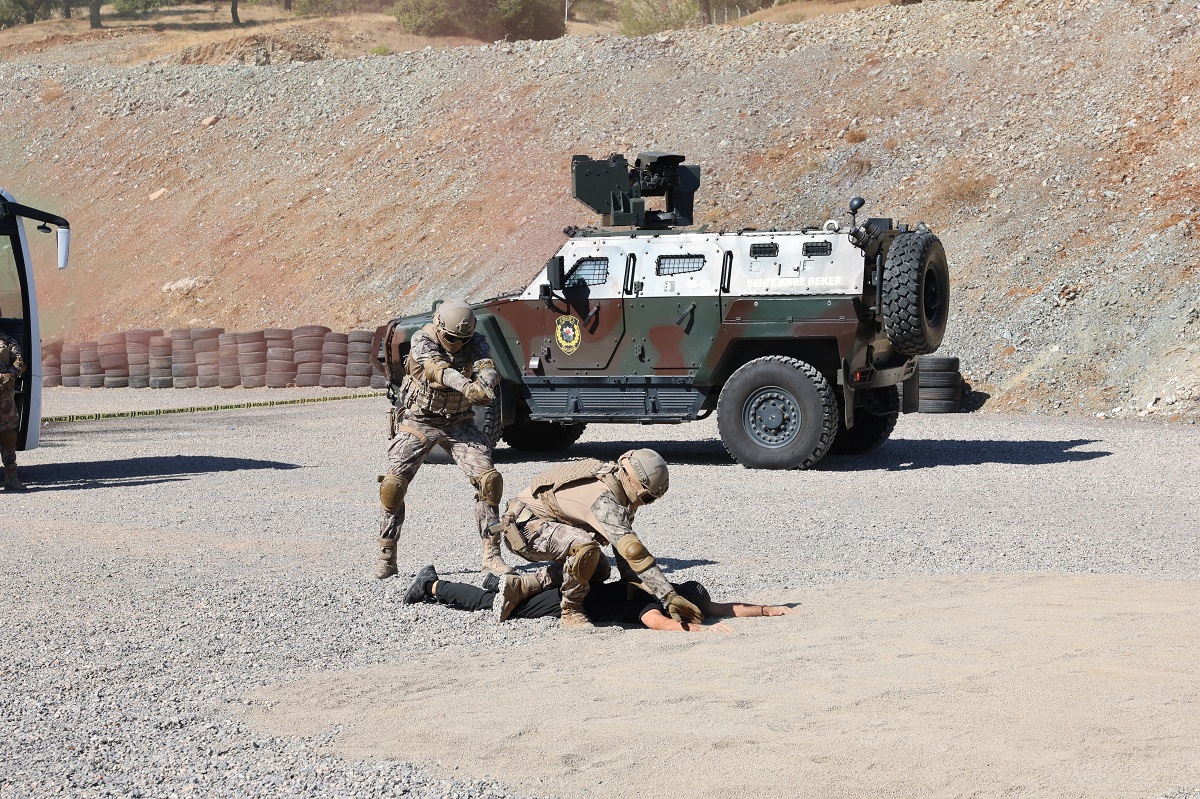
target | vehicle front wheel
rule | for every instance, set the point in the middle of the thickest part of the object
(777, 413)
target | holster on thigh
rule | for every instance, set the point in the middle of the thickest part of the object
(515, 516)
(392, 488)
(582, 559)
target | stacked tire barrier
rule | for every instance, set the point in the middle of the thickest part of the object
(70, 365)
(183, 358)
(252, 358)
(114, 360)
(281, 363)
(308, 343)
(206, 344)
(137, 348)
(940, 384)
(228, 373)
(160, 361)
(358, 359)
(91, 373)
(309, 356)
(52, 363)
(333, 360)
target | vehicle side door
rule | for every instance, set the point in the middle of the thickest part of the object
(584, 327)
(674, 312)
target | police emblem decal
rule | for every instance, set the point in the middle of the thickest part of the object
(566, 333)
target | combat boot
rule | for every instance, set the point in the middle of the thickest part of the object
(421, 589)
(514, 589)
(492, 561)
(573, 617)
(385, 566)
(11, 483)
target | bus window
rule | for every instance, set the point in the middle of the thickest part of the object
(12, 306)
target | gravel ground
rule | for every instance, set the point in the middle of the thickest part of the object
(163, 569)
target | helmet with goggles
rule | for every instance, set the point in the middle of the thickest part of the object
(645, 472)
(454, 322)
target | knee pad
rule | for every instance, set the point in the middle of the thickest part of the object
(392, 489)
(583, 559)
(489, 487)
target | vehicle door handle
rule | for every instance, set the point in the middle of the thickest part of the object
(726, 271)
(630, 263)
(587, 320)
(685, 313)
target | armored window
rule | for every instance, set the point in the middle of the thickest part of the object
(769, 249)
(678, 264)
(588, 272)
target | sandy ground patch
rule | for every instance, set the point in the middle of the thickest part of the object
(980, 685)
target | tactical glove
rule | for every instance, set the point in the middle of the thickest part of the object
(680, 609)
(6, 382)
(477, 393)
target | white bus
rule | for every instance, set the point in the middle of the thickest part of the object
(18, 304)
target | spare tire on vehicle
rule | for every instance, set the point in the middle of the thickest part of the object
(915, 296)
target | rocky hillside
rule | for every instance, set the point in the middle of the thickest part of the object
(1051, 145)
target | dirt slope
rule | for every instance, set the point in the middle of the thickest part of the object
(1049, 144)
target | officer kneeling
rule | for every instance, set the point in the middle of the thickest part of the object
(567, 513)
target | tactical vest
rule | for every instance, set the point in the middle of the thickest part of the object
(557, 477)
(435, 398)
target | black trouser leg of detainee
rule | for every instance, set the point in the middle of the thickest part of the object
(461, 596)
(467, 597)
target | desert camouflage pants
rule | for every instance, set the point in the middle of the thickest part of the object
(467, 445)
(9, 423)
(552, 541)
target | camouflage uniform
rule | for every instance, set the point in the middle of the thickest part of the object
(568, 510)
(12, 367)
(438, 414)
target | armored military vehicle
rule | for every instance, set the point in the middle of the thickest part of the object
(797, 339)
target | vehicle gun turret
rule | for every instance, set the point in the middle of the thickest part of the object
(617, 191)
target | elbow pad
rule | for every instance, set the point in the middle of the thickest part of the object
(434, 369)
(630, 547)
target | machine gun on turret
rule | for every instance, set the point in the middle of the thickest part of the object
(617, 191)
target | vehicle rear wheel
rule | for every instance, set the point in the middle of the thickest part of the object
(874, 420)
(916, 293)
(542, 436)
(777, 413)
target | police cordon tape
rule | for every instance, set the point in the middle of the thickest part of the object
(94, 417)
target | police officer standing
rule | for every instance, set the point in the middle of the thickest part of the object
(449, 370)
(12, 367)
(567, 513)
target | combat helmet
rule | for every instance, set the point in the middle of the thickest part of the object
(645, 472)
(454, 322)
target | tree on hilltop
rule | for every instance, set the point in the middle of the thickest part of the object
(482, 19)
(27, 11)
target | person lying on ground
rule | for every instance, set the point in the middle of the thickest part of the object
(521, 596)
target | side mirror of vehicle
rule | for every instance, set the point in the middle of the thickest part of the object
(554, 272)
(64, 246)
